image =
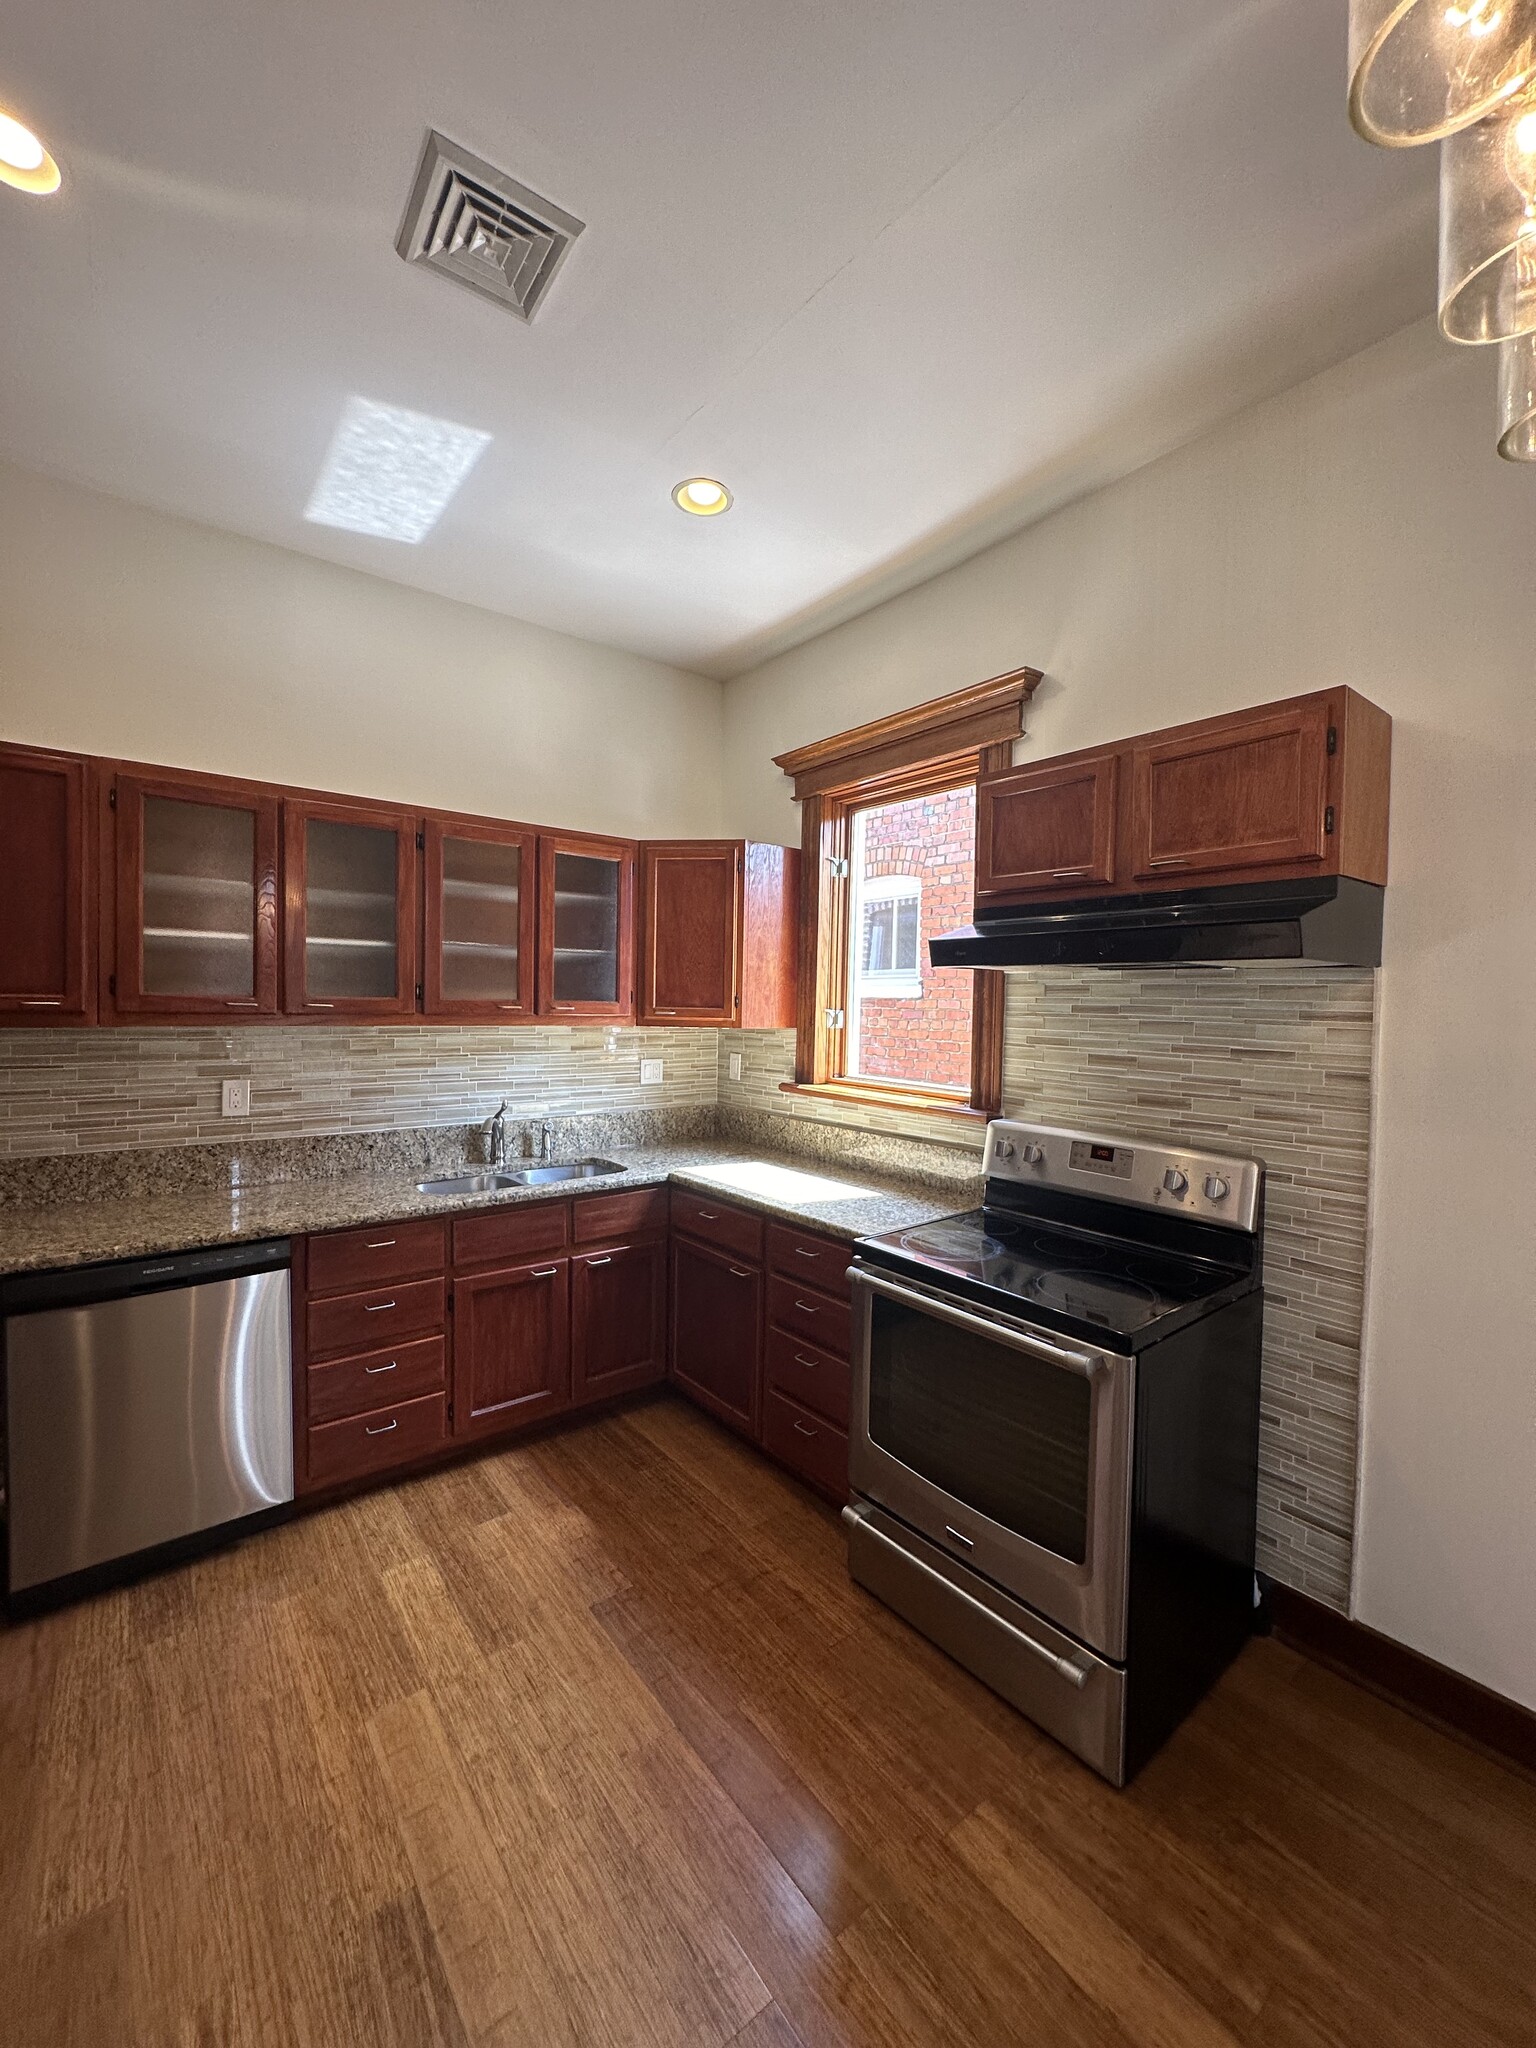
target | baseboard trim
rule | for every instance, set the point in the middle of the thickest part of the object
(1431, 1691)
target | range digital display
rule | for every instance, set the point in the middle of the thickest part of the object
(1117, 1160)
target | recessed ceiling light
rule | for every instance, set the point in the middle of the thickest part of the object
(702, 496)
(24, 162)
(389, 472)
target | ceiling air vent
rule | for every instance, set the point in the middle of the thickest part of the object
(475, 223)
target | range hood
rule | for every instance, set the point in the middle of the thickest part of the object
(1331, 920)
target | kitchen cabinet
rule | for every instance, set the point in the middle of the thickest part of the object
(718, 933)
(511, 1346)
(1283, 791)
(480, 904)
(351, 900)
(717, 1313)
(618, 1319)
(47, 906)
(194, 888)
(1047, 829)
(586, 927)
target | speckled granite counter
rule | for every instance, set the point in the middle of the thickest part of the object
(796, 1189)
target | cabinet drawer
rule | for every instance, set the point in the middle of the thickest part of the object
(503, 1236)
(402, 1373)
(807, 1374)
(827, 1321)
(615, 1216)
(806, 1444)
(377, 1441)
(814, 1261)
(343, 1261)
(738, 1230)
(367, 1322)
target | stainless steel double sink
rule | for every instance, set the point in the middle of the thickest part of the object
(494, 1182)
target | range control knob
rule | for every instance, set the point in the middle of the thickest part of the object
(1216, 1189)
(1033, 1154)
(1003, 1149)
(1174, 1181)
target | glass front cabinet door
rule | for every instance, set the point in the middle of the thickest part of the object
(481, 883)
(586, 927)
(196, 882)
(350, 883)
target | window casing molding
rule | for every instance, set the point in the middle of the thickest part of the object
(934, 747)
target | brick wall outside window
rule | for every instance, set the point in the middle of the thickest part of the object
(927, 1037)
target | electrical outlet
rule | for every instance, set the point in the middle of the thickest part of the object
(734, 1064)
(650, 1072)
(235, 1099)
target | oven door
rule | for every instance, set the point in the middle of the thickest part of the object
(1003, 1443)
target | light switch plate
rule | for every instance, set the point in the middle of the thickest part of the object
(734, 1065)
(235, 1098)
(650, 1071)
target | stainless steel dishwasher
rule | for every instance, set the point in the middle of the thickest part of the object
(145, 1402)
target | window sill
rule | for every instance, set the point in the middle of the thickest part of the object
(908, 1101)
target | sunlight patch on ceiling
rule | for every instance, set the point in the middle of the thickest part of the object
(390, 472)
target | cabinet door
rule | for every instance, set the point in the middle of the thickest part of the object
(618, 1319)
(196, 898)
(481, 898)
(586, 927)
(511, 1347)
(717, 1321)
(45, 928)
(1240, 793)
(350, 909)
(1048, 830)
(690, 932)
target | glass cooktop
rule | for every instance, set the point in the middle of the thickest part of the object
(1079, 1277)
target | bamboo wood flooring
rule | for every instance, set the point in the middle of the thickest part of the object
(593, 1742)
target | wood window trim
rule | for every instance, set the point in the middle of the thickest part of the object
(917, 752)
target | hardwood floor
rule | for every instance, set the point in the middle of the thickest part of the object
(593, 1742)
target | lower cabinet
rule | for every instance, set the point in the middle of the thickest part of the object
(618, 1319)
(511, 1346)
(717, 1321)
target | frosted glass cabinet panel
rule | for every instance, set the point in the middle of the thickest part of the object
(351, 899)
(481, 898)
(196, 899)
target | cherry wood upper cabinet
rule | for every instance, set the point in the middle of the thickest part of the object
(511, 1346)
(351, 910)
(718, 933)
(618, 1319)
(47, 903)
(195, 896)
(481, 898)
(1246, 792)
(586, 926)
(1047, 829)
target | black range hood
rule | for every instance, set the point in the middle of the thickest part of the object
(1331, 920)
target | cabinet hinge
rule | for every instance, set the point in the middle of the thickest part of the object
(421, 837)
(1333, 739)
(419, 992)
(1328, 819)
(112, 798)
(834, 1019)
(839, 866)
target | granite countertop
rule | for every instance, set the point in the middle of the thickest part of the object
(795, 1189)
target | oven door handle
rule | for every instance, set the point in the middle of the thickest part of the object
(1084, 1363)
(1074, 1674)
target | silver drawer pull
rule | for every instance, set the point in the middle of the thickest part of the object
(802, 1253)
(741, 1272)
(42, 1002)
(241, 1003)
(319, 1006)
(950, 1531)
(806, 1307)
(708, 1215)
(607, 1260)
(380, 1244)
(545, 1272)
(372, 1369)
(1067, 874)
(811, 1362)
(383, 1429)
(804, 1429)
(376, 1308)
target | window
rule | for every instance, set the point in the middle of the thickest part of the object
(889, 861)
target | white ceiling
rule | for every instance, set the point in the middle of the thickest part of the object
(904, 274)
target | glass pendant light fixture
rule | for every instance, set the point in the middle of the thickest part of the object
(1517, 399)
(1488, 227)
(1420, 70)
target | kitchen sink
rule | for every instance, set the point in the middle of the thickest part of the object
(579, 1169)
(470, 1184)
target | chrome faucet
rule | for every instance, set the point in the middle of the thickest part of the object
(546, 1144)
(496, 1137)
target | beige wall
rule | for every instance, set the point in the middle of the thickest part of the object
(126, 632)
(1358, 529)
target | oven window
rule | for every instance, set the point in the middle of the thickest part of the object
(1005, 1434)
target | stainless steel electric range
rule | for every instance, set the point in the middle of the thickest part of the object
(1054, 1448)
